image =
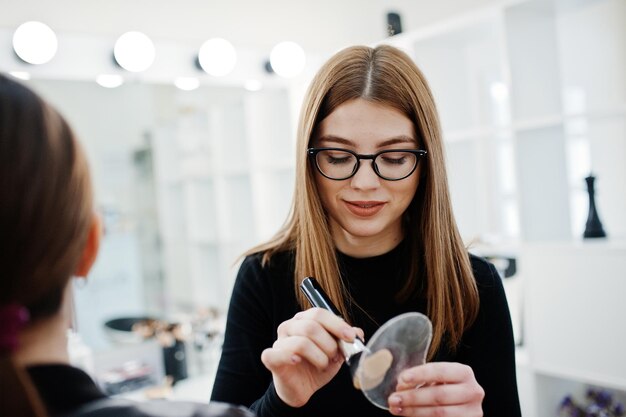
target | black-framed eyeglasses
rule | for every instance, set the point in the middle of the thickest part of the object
(341, 164)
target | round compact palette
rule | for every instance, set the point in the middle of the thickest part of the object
(399, 344)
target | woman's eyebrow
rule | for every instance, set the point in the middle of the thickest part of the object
(336, 139)
(398, 139)
(391, 141)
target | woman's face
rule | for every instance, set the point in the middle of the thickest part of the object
(365, 211)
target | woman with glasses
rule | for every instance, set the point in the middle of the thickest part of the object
(372, 221)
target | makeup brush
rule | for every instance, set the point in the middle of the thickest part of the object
(351, 351)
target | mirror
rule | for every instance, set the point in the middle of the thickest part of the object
(186, 181)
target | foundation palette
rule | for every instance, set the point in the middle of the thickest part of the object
(399, 344)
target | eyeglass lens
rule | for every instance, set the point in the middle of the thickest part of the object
(339, 164)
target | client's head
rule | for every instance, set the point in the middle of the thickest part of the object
(48, 229)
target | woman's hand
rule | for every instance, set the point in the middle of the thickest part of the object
(437, 389)
(306, 356)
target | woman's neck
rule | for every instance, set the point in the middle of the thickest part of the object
(366, 246)
(45, 340)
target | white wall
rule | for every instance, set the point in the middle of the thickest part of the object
(322, 26)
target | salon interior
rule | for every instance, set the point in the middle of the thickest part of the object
(188, 114)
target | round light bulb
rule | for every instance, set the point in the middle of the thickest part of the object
(217, 57)
(109, 80)
(187, 83)
(35, 42)
(134, 51)
(287, 59)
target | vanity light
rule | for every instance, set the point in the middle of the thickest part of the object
(217, 57)
(187, 83)
(110, 80)
(22, 75)
(287, 59)
(134, 51)
(35, 43)
(253, 85)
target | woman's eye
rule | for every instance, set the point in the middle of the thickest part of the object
(394, 161)
(335, 160)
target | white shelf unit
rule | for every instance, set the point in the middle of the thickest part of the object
(574, 314)
(532, 98)
(464, 61)
(224, 172)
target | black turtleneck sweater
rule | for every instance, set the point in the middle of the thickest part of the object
(264, 297)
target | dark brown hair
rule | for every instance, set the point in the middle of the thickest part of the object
(46, 210)
(387, 76)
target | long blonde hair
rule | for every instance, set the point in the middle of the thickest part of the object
(388, 76)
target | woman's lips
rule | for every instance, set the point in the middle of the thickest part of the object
(364, 208)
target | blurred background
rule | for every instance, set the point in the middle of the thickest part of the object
(191, 143)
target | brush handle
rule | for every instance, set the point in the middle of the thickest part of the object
(317, 296)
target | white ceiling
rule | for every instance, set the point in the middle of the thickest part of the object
(320, 26)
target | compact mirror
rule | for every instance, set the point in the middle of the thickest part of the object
(399, 344)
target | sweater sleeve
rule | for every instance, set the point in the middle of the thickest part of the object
(242, 378)
(490, 347)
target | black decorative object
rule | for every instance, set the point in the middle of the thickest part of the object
(594, 228)
(175, 361)
(394, 24)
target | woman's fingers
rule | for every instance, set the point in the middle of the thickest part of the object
(294, 349)
(436, 389)
(434, 373)
(309, 329)
(437, 411)
(333, 324)
(274, 359)
(305, 356)
(310, 335)
(360, 333)
(435, 395)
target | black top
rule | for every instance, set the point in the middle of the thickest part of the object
(264, 297)
(63, 388)
(69, 392)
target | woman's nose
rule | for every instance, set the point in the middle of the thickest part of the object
(365, 177)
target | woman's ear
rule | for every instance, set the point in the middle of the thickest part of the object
(92, 245)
